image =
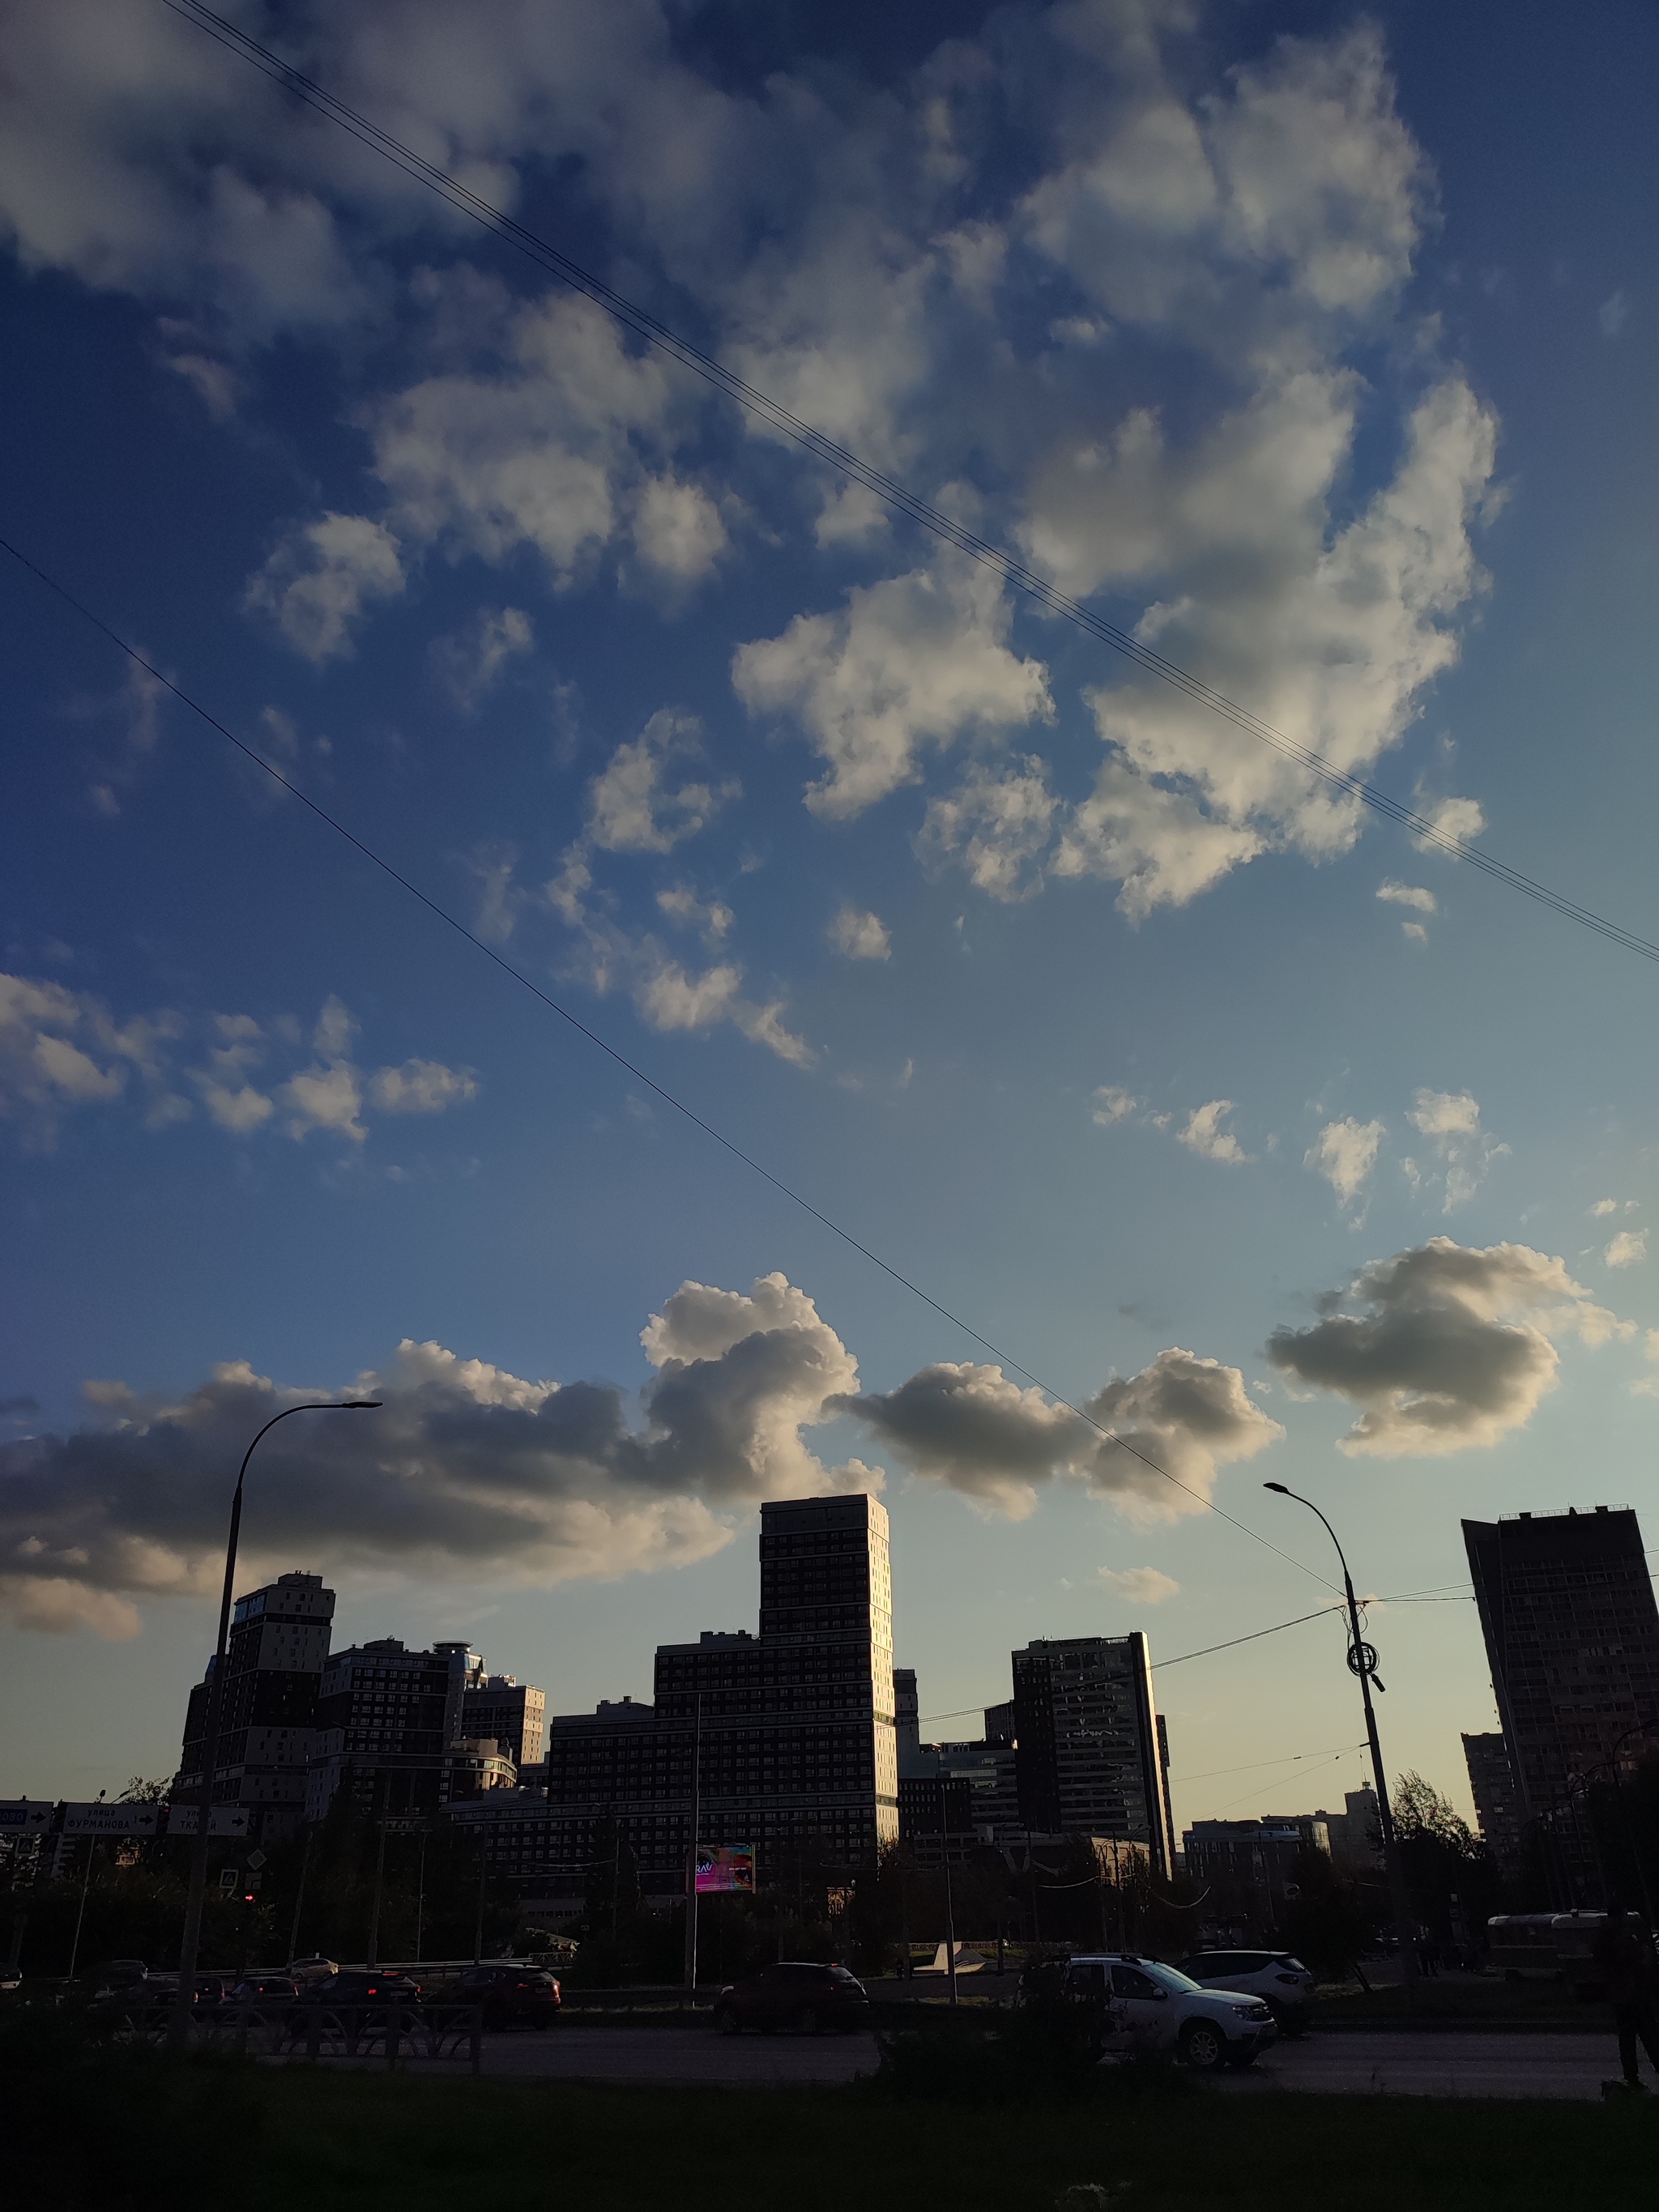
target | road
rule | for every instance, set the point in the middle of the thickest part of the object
(1406, 2065)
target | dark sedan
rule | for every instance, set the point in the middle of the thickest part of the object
(797, 1994)
(512, 1996)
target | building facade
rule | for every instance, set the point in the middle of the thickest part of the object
(784, 1736)
(388, 1722)
(1571, 1632)
(276, 1656)
(1087, 1754)
(499, 1708)
(1250, 1867)
(1497, 1809)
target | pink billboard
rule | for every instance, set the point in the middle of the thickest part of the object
(726, 1866)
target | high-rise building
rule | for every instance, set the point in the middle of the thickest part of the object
(1572, 1637)
(388, 1720)
(906, 1716)
(499, 1708)
(1088, 1751)
(1355, 1834)
(275, 1656)
(1497, 1801)
(788, 1734)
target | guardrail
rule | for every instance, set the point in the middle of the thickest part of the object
(291, 2029)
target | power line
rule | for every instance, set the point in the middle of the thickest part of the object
(726, 1143)
(888, 488)
(1335, 1760)
(1254, 1766)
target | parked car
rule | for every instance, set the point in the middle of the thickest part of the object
(263, 1989)
(313, 1969)
(116, 1974)
(795, 1993)
(512, 1995)
(1279, 1980)
(1150, 2006)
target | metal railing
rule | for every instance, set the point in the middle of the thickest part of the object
(290, 2028)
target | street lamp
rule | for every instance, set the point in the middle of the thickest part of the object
(193, 1937)
(1362, 1662)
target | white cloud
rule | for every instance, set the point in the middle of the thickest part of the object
(1344, 1153)
(1411, 895)
(1629, 1248)
(421, 1086)
(974, 1429)
(468, 1471)
(711, 918)
(321, 580)
(912, 661)
(1454, 818)
(469, 662)
(998, 824)
(1140, 1585)
(861, 934)
(1464, 1150)
(1202, 1134)
(1613, 314)
(631, 808)
(61, 1049)
(1453, 1347)
(1113, 1103)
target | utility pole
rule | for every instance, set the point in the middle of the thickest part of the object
(86, 1884)
(380, 1877)
(691, 1850)
(1362, 1663)
(300, 1896)
(949, 1924)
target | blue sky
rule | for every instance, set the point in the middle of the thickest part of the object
(1316, 346)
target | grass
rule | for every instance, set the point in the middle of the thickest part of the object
(332, 2140)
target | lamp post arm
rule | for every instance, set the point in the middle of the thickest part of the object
(190, 1944)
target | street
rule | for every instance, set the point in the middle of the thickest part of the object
(1423, 2065)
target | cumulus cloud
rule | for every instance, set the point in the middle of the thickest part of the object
(1461, 1150)
(469, 1472)
(1411, 895)
(997, 823)
(1140, 1585)
(711, 918)
(912, 661)
(61, 1049)
(322, 579)
(861, 935)
(469, 663)
(421, 1086)
(1113, 1103)
(1454, 818)
(974, 1429)
(1451, 1347)
(1202, 1132)
(1629, 1248)
(631, 806)
(1344, 1153)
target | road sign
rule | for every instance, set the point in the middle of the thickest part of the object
(403, 1825)
(229, 1878)
(256, 1860)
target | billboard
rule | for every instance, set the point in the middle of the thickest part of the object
(726, 1866)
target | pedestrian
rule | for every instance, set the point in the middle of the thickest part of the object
(1624, 1953)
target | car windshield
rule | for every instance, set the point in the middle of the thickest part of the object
(1171, 1977)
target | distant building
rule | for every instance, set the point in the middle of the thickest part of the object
(388, 1724)
(906, 1711)
(1497, 1809)
(1251, 1867)
(790, 1732)
(275, 1658)
(500, 1709)
(1355, 1834)
(956, 1798)
(1571, 1632)
(999, 1723)
(1088, 1757)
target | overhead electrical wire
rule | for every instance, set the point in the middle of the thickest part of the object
(886, 488)
(668, 1097)
(1256, 1766)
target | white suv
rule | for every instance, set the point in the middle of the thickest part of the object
(1149, 2006)
(1276, 1977)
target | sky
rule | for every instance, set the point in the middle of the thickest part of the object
(885, 907)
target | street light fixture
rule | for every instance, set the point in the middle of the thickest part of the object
(1362, 1662)
(179, 2033)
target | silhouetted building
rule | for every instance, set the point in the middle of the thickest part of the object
(1250, 1867)
(500, 1710)
(1497, 1801)
(1355, 1834)
(275, 1656)
(388, 1720)
(789, 1733)
(906, 1711)
(1572, 1637)
(1088, 1761)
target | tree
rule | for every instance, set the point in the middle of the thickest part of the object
(1443, 1859)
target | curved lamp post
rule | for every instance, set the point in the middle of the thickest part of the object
(1362, 1662)
(192, 1943)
